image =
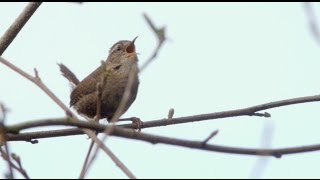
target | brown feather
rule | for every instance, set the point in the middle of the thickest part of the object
(86, 86)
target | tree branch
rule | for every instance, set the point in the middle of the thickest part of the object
(250, 111)
(17, 25)
(131, 134)
(154, 139)
(37, 81)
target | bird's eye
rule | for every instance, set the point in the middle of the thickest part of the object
(117, 67)
(118, 48)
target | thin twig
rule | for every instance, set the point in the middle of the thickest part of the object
(20, 169)
(266, 141)
(112, 156)
(96, 119)
(99, 92)
(36, 80)
(116, 116)
(161, 36)
(214, 133)
(126, 95)
(85, 163)
(3, 112)
(7, 158)
(118, 162)
(311, 16)
(17, 25)
(3, 141)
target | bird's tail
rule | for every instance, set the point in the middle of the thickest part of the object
(68, 74)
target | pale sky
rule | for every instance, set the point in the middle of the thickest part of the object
(221, 56)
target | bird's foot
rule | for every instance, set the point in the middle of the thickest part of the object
(138, 124)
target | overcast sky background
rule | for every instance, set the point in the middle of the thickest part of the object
(221, 56)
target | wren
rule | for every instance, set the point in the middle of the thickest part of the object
(121, 63)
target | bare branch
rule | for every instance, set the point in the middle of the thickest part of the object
(250, 111)
(165, 122)
(117, 162)
(154, 139)
(36, 80)
(133, 135)
(111, 155)
(17, 25)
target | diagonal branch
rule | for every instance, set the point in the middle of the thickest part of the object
(86, 159)
(36, 80)
(17, 25)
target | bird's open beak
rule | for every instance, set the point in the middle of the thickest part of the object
(131, 48)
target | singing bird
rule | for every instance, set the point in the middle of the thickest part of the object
(114, 74)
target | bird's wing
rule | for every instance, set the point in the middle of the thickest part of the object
(86, 86)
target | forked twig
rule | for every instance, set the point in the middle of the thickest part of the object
(161, 36)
